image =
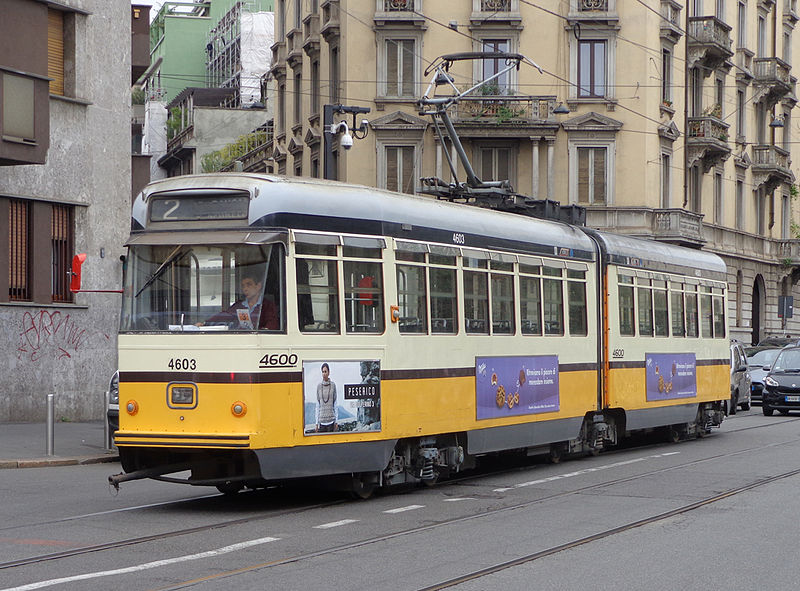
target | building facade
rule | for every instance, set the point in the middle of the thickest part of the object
(678, 123)
(65, 178)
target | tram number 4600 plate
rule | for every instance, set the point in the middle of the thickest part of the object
(278, 360)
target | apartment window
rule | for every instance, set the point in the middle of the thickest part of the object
(62, 250)
(720, 14)
(741, 114)
(334, 75)
(786, 217)
(280, 25)
(695, 182)
(740, 221)
(761, 39)
(592, 174)
(496, 163)
(760, 213)
(742, 26)
(493, 66)
(298, 14)
(695, 92)
(400, 174)
(666, 179)
(696, 7)
(786, 135)
(55, 51)
(281, 114)
(315, 96)
(787, 46)
(718, 213)
(315, 167)
(719, 97)
(17, 108)
(592, 68)
(761, 122)
(298, 164)
(19, 252)
(298, 98)
(398, 68)
(666, 76)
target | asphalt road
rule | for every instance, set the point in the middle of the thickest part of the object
(716, 513)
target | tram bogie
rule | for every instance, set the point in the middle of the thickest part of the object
(278, 329)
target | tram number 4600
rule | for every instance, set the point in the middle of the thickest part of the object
(278, 360)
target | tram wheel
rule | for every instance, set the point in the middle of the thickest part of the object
(674, 435)
(555, 455)
(360, 489)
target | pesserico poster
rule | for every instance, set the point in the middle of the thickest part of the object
(511, 386)
(670, 375)
(341, 396)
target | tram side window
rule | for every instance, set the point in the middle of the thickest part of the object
(530, 299)
(476, 296)
(719, 313)
(317, 295)
(443, 300)
(706, 317)
(644, 296)
(676, 305)
(576, 302)
(553, 301)
(692, 321)
(363, 296)
(412, 298)
(502, 304)
(626, 306)
(660, 313)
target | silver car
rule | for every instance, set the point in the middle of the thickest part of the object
(740, 380)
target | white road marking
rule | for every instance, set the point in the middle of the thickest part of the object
(335, 523)
(402, 509)
(459, 499)
(585, 471)
(145, 566)
(174, 502)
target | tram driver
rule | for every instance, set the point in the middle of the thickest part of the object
(247, 313)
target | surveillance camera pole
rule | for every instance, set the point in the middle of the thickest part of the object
(327, 119)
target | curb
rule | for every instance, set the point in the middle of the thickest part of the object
(48, 462)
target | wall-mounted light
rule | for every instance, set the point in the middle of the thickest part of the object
(561, 109)
(776, 122)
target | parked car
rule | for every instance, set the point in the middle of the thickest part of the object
(112, 412)
(782, 383)
(740, 379)
(777, 341)
(759, 362)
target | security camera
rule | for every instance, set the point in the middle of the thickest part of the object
(346, 141)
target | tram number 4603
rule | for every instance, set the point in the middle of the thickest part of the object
(278, 360)
(178, 364)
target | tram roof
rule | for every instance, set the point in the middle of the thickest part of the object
(348, 208)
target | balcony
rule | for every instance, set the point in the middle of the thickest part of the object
(330, 20)
(671, 29)
(399, 12)
(709, 42)
(772, 79)
(744, 65)
(253, 152)
(771, 167)
(789, 252)
(676, 226)
(311, 34)
(294, 48)
(790, 15)
(278, 68)
(504, 12)
(707, 140)
(503, 115)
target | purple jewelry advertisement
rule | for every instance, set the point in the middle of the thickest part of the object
(513, 386)
(670, 375)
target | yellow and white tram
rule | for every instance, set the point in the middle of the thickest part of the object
(277, 328)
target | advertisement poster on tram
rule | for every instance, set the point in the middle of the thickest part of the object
(511, 386)
(341, 396)
(670, 375)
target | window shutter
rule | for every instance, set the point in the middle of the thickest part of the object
(55, 51)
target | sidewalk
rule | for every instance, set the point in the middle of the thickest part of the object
(24, 445)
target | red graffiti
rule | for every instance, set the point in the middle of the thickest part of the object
(46, 332)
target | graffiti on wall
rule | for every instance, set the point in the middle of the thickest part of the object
(47, 333)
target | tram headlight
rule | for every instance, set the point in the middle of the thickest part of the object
(132, 407)
(238, 409)
(182, 395)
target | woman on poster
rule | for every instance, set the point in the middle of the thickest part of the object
(326, 402)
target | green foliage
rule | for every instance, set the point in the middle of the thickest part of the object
(219, 159)
(137, 96)
(174, 122)
(793, 191)
(794, 229)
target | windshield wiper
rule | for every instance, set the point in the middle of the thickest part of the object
(173, 256)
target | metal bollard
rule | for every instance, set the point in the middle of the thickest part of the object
(51, 421)
(106, 430)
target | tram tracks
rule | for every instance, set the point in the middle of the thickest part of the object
(97, 548)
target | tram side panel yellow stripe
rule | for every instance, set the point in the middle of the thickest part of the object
(627, 388)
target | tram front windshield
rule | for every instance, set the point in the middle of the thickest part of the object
(204, 288)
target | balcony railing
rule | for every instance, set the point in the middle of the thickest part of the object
(709, 128)
(397, 5)
(330, 19)
(789, 251)
(668, 225)
(495, 5)
(768, 69)
(592, 5)
(709, 30)
(769, 156)
(503, 108)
